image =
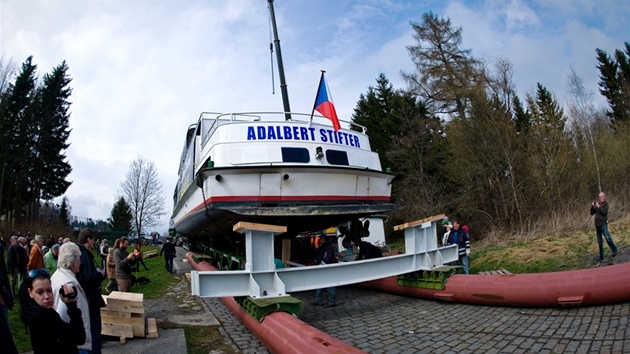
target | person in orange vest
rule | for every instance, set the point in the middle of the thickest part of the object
(36, 257)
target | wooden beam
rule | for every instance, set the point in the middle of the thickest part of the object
(152, 330)
(418, 222)
(240, 226)
(286, 251)
(117, 330)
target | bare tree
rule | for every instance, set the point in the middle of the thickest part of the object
(142, 190)
(582, 110)
(8, 70)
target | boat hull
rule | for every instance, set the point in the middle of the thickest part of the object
(302, 198)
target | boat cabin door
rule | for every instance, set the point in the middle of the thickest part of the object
(270, 188)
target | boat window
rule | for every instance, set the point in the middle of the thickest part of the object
(337, 157)
(290, 154)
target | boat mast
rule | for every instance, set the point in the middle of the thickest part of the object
(283, 81)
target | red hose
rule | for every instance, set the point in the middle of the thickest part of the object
(281, 332)
(596, 286)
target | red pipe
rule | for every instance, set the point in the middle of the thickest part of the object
(596, 286)
(281, 332)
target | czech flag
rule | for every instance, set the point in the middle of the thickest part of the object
(324, 103)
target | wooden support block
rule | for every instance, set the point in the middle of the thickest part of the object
(137, 319)
(125, 302)
(117, 330)
(418, 222)
(152, 330)
(286, 251)
(124, 308)
(240, 226)
(109, 313)
(505, 271)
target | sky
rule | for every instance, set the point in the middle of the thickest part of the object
(142, 71)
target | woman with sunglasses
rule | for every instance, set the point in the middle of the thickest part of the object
(68, 264)
(49, 333)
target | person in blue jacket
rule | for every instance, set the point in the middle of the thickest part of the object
(325, 255)
(460, 236)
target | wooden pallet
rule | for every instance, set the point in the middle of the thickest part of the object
(496, 272)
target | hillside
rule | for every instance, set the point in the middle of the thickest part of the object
(554, 252)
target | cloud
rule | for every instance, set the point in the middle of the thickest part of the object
(143, 71)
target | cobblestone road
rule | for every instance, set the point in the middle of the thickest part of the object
(383, 323)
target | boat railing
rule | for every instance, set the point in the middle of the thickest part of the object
(269, 117)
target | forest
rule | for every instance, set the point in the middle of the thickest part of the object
(463, 143)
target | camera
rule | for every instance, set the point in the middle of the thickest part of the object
(71, 295)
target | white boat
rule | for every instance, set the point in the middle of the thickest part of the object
(285, 169)
(262, 168)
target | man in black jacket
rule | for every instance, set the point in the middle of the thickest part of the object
(169, 251)
(368, 251)
(16, 263)
(90, 279)
(599, 208)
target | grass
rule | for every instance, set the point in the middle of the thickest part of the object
(539, 254)
(548, 253)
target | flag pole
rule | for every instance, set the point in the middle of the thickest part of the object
(319, 86)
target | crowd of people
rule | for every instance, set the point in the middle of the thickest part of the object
(58, 286)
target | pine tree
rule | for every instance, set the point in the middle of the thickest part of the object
(378, 112)
(17, 152)
(521, 117)
(550, 149)
(64, 213)
(615, 82)
(53, 132)
(121, 217)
